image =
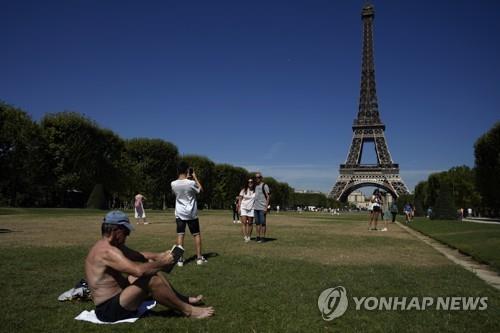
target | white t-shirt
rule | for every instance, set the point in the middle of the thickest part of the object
(248, 199)
(185, 198)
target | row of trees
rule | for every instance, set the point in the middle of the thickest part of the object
(67, 160)
(463, 187)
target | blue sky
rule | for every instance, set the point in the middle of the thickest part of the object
(268, 85)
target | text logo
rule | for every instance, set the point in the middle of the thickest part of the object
(332, 303)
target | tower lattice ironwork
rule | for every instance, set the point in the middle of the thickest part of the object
(368, 127)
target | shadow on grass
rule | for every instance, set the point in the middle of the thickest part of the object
(5, 231)
(164, 314)
(264, 240)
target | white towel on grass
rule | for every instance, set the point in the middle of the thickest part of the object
(91, 317)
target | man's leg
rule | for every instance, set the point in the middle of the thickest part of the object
(258, 221)
(161, 290)
(263, 225)
(194, 228)
(180, 240)
(197, 244)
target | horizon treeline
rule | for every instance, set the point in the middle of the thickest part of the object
(464, 187)
(65, 157)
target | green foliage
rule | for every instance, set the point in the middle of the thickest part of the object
(280, 193)
(404, 199)
(153, 164)
(444, 209)
(487, 160)
(461, 181)
(229, 180)
(80, 154)
(98, 199)
(20, 142)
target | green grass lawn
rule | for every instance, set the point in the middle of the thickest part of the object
(481, 241)
(269, 287)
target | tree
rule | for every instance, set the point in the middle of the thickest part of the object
(487, 161)
(153, 164)
(20, 141)
(229, 180)
(80, 154)
(97, 198)
(444, 208)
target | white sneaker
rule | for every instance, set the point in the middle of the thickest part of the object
(202, 260)
(384, 229)
(247, 239)
(180, 263)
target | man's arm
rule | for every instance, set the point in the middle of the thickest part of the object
(197, 182)
(143, 256)
(115, 259)
(268, 197)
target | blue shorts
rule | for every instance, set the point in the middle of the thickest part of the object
(259, 217)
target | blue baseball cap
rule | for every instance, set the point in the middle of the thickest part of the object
(118, 217)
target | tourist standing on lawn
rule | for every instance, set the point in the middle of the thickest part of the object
(394, 211)
(262, 198)
(376, 208)
(140, 214)
(186, 187)
(408, 210)
(234, 206)
(246, 201)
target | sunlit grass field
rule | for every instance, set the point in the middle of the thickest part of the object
(269, 287)
(479, 240)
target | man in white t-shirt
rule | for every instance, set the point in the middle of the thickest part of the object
(186, 187)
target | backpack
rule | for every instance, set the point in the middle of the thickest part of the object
(266, 195)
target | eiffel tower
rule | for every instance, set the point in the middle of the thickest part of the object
(368, 127)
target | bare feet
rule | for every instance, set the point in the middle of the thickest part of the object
(195, 300)
(198, 312)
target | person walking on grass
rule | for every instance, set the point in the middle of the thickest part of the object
(408, 210)
(384, 205)
(262, 198)
(117, 297)
(140, 214)
(394, 211)
(186, 187)
(234, 206)
(376, 208)
(246, 201)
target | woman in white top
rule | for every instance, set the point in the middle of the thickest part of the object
(376, 202)
(246, 200)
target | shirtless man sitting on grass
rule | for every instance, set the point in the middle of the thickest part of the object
(117, 297)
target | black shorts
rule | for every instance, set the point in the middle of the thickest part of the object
(194, 226)
(377, 209)
(111, 310)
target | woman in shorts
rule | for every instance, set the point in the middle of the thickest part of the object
(245, 206)
(376, 205)
(408, 210)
